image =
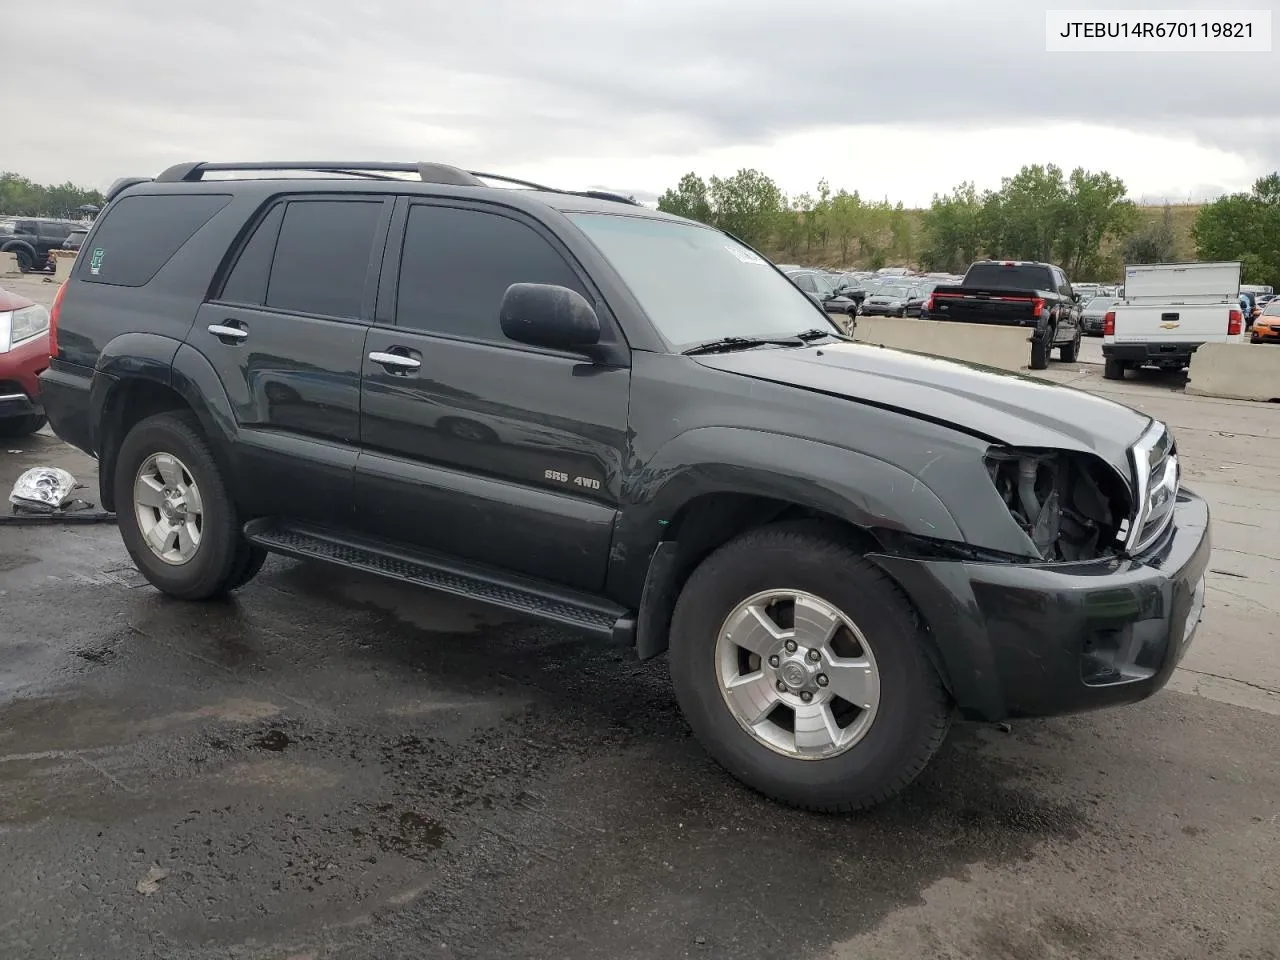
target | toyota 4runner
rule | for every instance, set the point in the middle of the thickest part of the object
(543, 400)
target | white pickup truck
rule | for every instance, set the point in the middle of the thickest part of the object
(1166, 311)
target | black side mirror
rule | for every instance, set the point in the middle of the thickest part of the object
(545, 315)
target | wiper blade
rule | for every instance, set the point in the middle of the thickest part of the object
(726, 344)
(815, 334)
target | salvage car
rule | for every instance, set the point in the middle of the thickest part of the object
(1017, 293)
(839, 547)
(1094, 313)
(887, 300)
(1266, 329)
(24, 354)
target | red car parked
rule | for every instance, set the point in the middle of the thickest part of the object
(24, 354)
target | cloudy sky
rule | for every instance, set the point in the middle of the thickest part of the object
(894, 100)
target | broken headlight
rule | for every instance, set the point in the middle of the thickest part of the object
(1071, 506)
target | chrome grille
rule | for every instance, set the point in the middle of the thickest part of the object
(1157, 477)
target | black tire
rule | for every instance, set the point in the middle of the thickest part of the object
(11, 428)
(222, 558)
(25, 261)
(914, 713)
(1040, 353)
(248, 563)
(1070, 351)
(1113, 369)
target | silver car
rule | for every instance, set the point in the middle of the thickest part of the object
(888, 299)
(1094, 313)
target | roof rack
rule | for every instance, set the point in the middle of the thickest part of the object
(378, 170)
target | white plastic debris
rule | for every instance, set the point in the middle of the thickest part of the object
(42, 489)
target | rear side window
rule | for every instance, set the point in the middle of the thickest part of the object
(247, 282)
(139, 235)
(1000, 276)
(457, 264)
(322, 257)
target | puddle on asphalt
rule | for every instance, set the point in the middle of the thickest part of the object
(273, 740)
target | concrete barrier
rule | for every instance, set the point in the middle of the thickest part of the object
(9, 265)
(63, 261)
(1235, 371)
(1007, 348)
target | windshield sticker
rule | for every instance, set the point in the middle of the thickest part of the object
(745, 255)
(95, 261)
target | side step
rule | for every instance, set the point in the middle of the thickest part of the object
(532, 598)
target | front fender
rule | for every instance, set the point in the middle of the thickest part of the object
(867, 492)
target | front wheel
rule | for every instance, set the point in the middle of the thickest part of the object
(802, 670)
(1070, 351)
(174, 511)
(13, 428)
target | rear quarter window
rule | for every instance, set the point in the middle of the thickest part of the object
(139, 235)
(1000, 276)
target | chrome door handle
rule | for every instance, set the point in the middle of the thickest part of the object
(399, 361)
(227, 333)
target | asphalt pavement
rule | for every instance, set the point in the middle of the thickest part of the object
(332, 766)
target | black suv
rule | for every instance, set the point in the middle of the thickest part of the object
(31, 239)
(544, 400)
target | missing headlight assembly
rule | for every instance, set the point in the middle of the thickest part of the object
(1070, 506)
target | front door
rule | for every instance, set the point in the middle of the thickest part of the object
(471, 444)
(285, 334)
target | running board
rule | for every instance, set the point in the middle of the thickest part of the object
(532, 598)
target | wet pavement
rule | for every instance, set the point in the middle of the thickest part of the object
(329, 766)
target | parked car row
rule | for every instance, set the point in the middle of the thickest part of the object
(32, 239)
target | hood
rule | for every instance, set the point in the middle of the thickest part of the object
(997, 405)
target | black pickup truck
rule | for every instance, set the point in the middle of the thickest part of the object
(1018, 294)
(543, 400)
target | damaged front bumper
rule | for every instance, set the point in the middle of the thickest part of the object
(1034, 640)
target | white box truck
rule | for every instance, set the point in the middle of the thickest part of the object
(1167, 310)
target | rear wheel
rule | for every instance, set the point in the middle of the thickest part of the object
(174, 511)
(1113, 369)
(802, 670)
(25, 261)
(1071, 350)
(12, 428)
(1040, 353)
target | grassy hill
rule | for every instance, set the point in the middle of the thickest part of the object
(828, 255)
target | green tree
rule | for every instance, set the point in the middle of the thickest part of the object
(1154, 243)
(843, 218)
(1093, 208)
(24, 197)
(953, 229)
(1029, 213)
(746, 205)
(1244, 227)
(689, 199)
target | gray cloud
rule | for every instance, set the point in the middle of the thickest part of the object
(496, 83)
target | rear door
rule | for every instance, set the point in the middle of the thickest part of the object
(285, 332)
(474, 445)
(1068, 311)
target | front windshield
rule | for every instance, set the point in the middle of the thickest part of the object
(696, 284)
(896, 290)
